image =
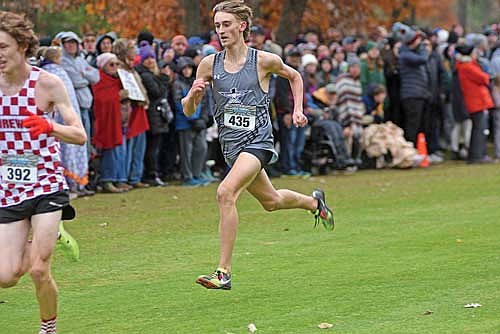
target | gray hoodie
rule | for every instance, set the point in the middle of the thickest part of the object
(82, 75)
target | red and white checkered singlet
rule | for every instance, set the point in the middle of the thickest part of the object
(15, 140)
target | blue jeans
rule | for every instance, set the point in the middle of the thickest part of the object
(136, 147)
(295, 147)
(85, 115)
(113, 168)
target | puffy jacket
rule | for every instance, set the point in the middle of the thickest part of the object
(157, 88)
(474, 82)
(413, 72)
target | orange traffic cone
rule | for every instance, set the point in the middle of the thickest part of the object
(422, 149)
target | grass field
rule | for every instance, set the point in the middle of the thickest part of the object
(406, 242)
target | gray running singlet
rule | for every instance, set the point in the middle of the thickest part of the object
(241, 109)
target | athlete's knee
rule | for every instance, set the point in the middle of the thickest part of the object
(225, 195)
(40, 270)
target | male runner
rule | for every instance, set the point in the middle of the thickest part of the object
(33, 190)
(239, 76)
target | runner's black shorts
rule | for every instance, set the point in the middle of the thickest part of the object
(264, 156)
(41, 204)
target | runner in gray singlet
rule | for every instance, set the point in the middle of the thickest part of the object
(242, 109)
(240, 80)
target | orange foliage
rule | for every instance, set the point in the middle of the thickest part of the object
(128, 17)
(363, 15)
(164, 17)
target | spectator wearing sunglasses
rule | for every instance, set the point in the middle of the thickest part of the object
(109, 115)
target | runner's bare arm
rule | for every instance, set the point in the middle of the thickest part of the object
(272, 63)
(195, 94)
(57, 97)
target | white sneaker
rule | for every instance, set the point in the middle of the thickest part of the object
(435, 159)
(417, 159)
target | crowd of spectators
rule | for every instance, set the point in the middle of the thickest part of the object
(368, 96)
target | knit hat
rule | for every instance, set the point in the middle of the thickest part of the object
(180, 39)
(309, 59)
(145, 36)
(294, 52)
(105, 58)
(464, 50)
(208, 50)
(257, 30)
(351, 61)
(195, 40)
(370, 45)
(404, 33)
(146, 51)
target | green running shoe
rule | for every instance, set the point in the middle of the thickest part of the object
(68, 244)
(219, 279)
(323, 213)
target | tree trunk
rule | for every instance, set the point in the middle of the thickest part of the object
(192, 17)
(462, 12)
(290, 22)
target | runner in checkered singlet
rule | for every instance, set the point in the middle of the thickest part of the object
(32, 186)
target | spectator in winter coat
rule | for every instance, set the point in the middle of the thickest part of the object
(415, 94)
(108, 126)
(390, 56)
(475, 88)
(156, 84)
(437, 88)
(82, 76)
(192, 141)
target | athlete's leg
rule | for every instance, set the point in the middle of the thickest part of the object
(240, 176)
(14, 252)
(44, 226)
(271, 199)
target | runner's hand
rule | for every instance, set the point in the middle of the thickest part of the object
(299, 119)
(38, 125)
(198, 89)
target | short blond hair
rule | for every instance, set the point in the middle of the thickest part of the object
(238, 9)
(51, 53)
(20, 29)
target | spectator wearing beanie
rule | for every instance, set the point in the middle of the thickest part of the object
(108, 127)
(143, 36)
(415, 94)
(156, 83)
(309, 66)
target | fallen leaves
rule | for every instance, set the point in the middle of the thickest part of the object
(472, 305)
(252, 328)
